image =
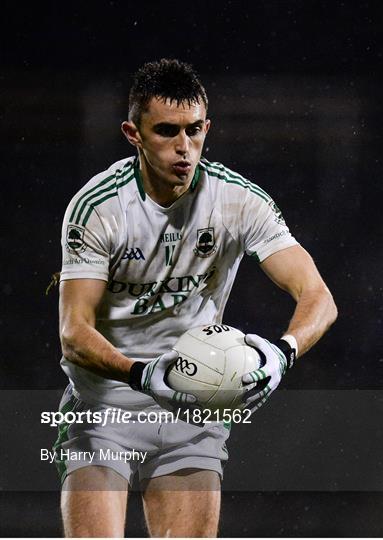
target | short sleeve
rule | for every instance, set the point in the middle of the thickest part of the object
(264, 229)
(85, 249)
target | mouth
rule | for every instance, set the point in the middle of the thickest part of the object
(181, 167)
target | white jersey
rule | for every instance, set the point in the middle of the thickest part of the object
(167, 269)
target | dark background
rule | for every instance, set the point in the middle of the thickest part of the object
(295, 100)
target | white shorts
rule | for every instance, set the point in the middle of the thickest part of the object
(154, 448)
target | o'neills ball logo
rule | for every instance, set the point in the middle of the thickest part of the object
(205, 245)
(75, 239)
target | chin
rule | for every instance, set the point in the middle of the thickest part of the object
(179, 180)
(184, 179)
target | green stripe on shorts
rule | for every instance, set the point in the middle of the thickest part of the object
(63, 437)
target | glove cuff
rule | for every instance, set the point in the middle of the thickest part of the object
(135, 375)
(288, 351)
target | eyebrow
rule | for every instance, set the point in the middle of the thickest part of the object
(194, 124)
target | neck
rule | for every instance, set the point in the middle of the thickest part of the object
(160, 191)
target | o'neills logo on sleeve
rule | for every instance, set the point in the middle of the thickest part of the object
(205, 245)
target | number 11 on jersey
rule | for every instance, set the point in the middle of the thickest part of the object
(169, 251)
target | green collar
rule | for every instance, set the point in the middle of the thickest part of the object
(138, 177)
(140, 184)
(196, 177)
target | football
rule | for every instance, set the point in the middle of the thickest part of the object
(211, 362)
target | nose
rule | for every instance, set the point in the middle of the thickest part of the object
(182, 143)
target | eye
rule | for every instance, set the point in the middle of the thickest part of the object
(193, 130)
(167, 130)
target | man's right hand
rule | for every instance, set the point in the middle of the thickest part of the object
(150, 379)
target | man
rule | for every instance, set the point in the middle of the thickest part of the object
(151, 247)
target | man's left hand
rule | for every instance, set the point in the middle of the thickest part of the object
(275, 366)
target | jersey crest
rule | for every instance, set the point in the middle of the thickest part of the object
(205, 245)
(75, 239)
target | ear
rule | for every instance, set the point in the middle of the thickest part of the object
(130, 130)
(207, 125)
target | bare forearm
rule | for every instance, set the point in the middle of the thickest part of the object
(86, 347)
(315, 312)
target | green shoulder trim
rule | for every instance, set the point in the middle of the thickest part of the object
(221, 172)
(105, 189)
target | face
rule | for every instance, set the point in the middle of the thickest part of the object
(170, 139)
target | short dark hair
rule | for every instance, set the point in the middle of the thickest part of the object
(164, 79)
